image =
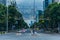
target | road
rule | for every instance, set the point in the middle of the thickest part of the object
(28, 36)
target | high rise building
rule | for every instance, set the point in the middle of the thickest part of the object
(50, 1)
(46, 3)
(3, 2)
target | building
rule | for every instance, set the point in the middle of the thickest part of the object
(46, 3)
(3, 2)
(38, 14)
(50, 1)
(55, 0)
(43, 5)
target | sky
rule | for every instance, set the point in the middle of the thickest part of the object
(26, 8)
(25, 3)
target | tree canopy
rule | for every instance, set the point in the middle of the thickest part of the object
(14, 18)
(53, 14)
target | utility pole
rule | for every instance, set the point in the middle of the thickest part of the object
(7, 16)
(36, 17)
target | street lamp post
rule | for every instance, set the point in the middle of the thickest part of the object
(34, 6)
(37, 17)
(7, 18)
(35, 12)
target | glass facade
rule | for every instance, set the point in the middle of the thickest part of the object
(47, 2)
(50, 1)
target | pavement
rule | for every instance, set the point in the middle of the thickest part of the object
(28, 36)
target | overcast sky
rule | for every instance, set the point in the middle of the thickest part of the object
(29, 4)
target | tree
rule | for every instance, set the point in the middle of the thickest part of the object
(52, 13)
(2, 17)
(16, 16)
(13, 17)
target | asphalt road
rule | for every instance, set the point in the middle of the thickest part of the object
(29, 36)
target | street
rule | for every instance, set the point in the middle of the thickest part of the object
(28, 36)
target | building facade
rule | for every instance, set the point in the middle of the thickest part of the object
(46, 3)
